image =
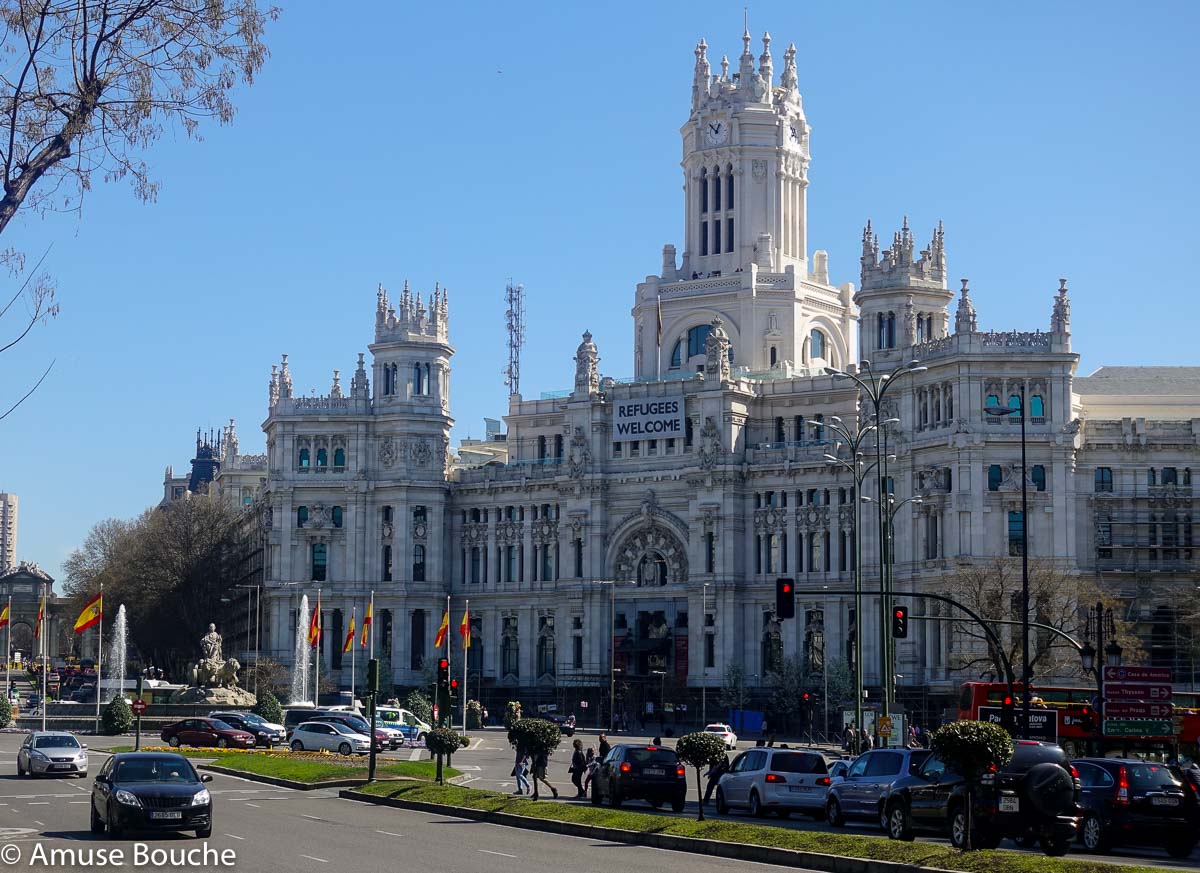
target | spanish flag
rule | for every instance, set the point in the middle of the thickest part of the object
(658, 312)
(367, 620)
(443, 629)
(4, 616)
(349, 637)
(464, 628)
(91, 615)
(314, 625)
(41, 617)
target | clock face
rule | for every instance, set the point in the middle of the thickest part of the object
(716, 131)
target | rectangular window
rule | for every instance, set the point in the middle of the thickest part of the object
(510, 565)
(1104, 479)
(578, 544)
(729, 234)
(635, 448)
(671, 446)
(710, 651)
(716, 192)
(799, 553)
(716, 246)
(828, 552)
(547, 563)
(704, 238)
(931, 536)
(387, 563)
(783, 550)
(758, 553)
(416, 639)
(320, 561)
(1016, 528)
(652, 447)
(577, 653)
(995, 475)
(616, 450)
(476, 567)
(710, 553)
(773, 553)
(1039, 477)
(729, 190)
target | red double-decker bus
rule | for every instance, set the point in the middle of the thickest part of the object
(1075, 707)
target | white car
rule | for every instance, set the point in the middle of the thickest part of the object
(725, 733)
(312, 736)
(45, 753)
(776, 780)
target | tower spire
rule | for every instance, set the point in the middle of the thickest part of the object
(746, 65)
(765, 68)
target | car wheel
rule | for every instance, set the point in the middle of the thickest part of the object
(97, 822)
(756, 807)
(614, 796)
(1181, 847)
(1092, 835)
(677, 804)
(173, 742)
(833, 813)
(1055, 846)
(114, 830)
(222, 743)
(722, 806)
(297, 746)
(898, 825)
(344, 749)
(958, 827)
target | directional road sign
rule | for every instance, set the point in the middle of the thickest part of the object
(1118, 709)
(1130, 727)
(1137, 691)
(1157, 675)
(1043, 723)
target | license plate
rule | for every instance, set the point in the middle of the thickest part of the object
(798, 788)
(1010, 804)
(169, 815)
(72, 767)
(1164, 801)
(656, 771)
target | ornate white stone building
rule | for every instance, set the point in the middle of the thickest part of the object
(661, 509)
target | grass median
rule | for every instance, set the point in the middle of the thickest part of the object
(282, 765)
(733, 831)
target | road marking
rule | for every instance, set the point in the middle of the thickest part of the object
(388, 833)
(490, 852)
(255, 805)
(414, 755)
(39, 803)
(312, 858)
(36, 822)
(77, 801)
(313, 817)
(472, 767)
(235, 836)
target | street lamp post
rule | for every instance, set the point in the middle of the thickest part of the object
(1026, 672)
(875, 387)
(704, 653)
(255, 592)
(662, 694)
(1100, 623)
(612, 650)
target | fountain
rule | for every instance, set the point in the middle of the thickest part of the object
(300, 663)
(115, 664)
(214, 679)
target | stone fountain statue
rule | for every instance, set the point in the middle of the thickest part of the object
(214, 679)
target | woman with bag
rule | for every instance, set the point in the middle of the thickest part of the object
(578, 765)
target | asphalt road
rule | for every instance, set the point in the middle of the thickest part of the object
(270, 829)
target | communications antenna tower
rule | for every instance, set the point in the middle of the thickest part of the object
(514, 319)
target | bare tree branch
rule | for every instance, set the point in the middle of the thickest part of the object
(27, 394)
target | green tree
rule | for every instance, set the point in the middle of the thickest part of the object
(5, 712)
(789, 682)
(733, 688)
(474, 715)
(444, 742)
(419, 705)
(512, 713)
(267, 707)
(840, 679)
(699, 750)
(537, 737)
(971, 748)
(117, 717)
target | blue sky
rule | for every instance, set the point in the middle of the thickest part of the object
(468, 142)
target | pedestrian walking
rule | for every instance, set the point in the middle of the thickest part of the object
(520, 770)
(604, 747)
(578, 766)
(590, 765)
(540, 760)
(714, 774)
(864, 741)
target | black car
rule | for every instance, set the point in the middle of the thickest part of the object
(649, 773)
(1135, 802)
(251, 724)
(156, 791)
(566, 724)
(1034, 797)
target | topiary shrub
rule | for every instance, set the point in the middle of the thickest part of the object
(418, 704)
(537, 737)
(117, 717)
(972, 748)
(5, 712)
(267, 708)
(700, 749)
(474, 715)
(512, 714)
(444, 741)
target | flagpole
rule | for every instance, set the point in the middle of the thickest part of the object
(467, 619)
(42, 634)
(8, 653)
(317, 659)
(449, 715)
(371, 636)
(99, 655)
(658, 338)
(353, 609)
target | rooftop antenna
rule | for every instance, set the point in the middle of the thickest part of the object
(514, 319)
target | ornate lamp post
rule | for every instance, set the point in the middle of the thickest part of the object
(1100, 624)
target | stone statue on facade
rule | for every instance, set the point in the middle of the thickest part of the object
(587, 366)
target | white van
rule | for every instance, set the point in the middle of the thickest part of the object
(413, 728)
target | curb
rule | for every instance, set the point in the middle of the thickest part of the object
(694, 845)
(285, 783)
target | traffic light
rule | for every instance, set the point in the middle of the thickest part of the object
(1087, 719)
(372, 675)
(785, 598)
(453, 689)
(806, 697)
(443, 674)
(899, 622)
(1008, 713)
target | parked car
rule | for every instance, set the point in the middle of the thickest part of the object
(150, 791)
(864, 789)
(265, 733)
(312, 736)
(1033, 798)
(383, 738)
(650, 773)
(48, 753)
(725, 732)
(1132, 802)
(293, 717)
(837, 770)
(566, 724)
(205, 733)
(775, 780)
(413, 729)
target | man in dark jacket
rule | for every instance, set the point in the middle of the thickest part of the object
(714, 774)
(604, 746)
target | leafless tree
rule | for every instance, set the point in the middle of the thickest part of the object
(36, 292)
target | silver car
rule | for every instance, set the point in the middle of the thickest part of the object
(49, 753)
(777, 780)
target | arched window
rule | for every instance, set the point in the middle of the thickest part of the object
(339, 457)
(886, 322)
(418, 573)
(303, 463)
(1039, 477)
(1187, 475)
(921, 337)
(816, 347)
(676, 356)
(697, 337)
(995, 474)
(427, 382)
(1037, 406)
(1169, 476)
(320, 561)
(774, 355)
(545, 654)
(338, 514)
(1014, 401)
(990, 401)
(704, 189)
(716, 184)
(322, 459)
(301, 516)
(1151, 477)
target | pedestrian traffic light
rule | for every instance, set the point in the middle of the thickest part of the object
(443, 673)
(785, 598)
(1008, 713)
(806, 697)
(900, 622)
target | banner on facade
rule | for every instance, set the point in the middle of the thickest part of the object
(648, 418)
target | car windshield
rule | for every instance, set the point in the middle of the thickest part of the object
(798, 763)
(357, 723)
(63, 742)
(716, 728)
(154, 770)
(651, 757)
(1151, 776)
(221, 725)
(251, 718)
